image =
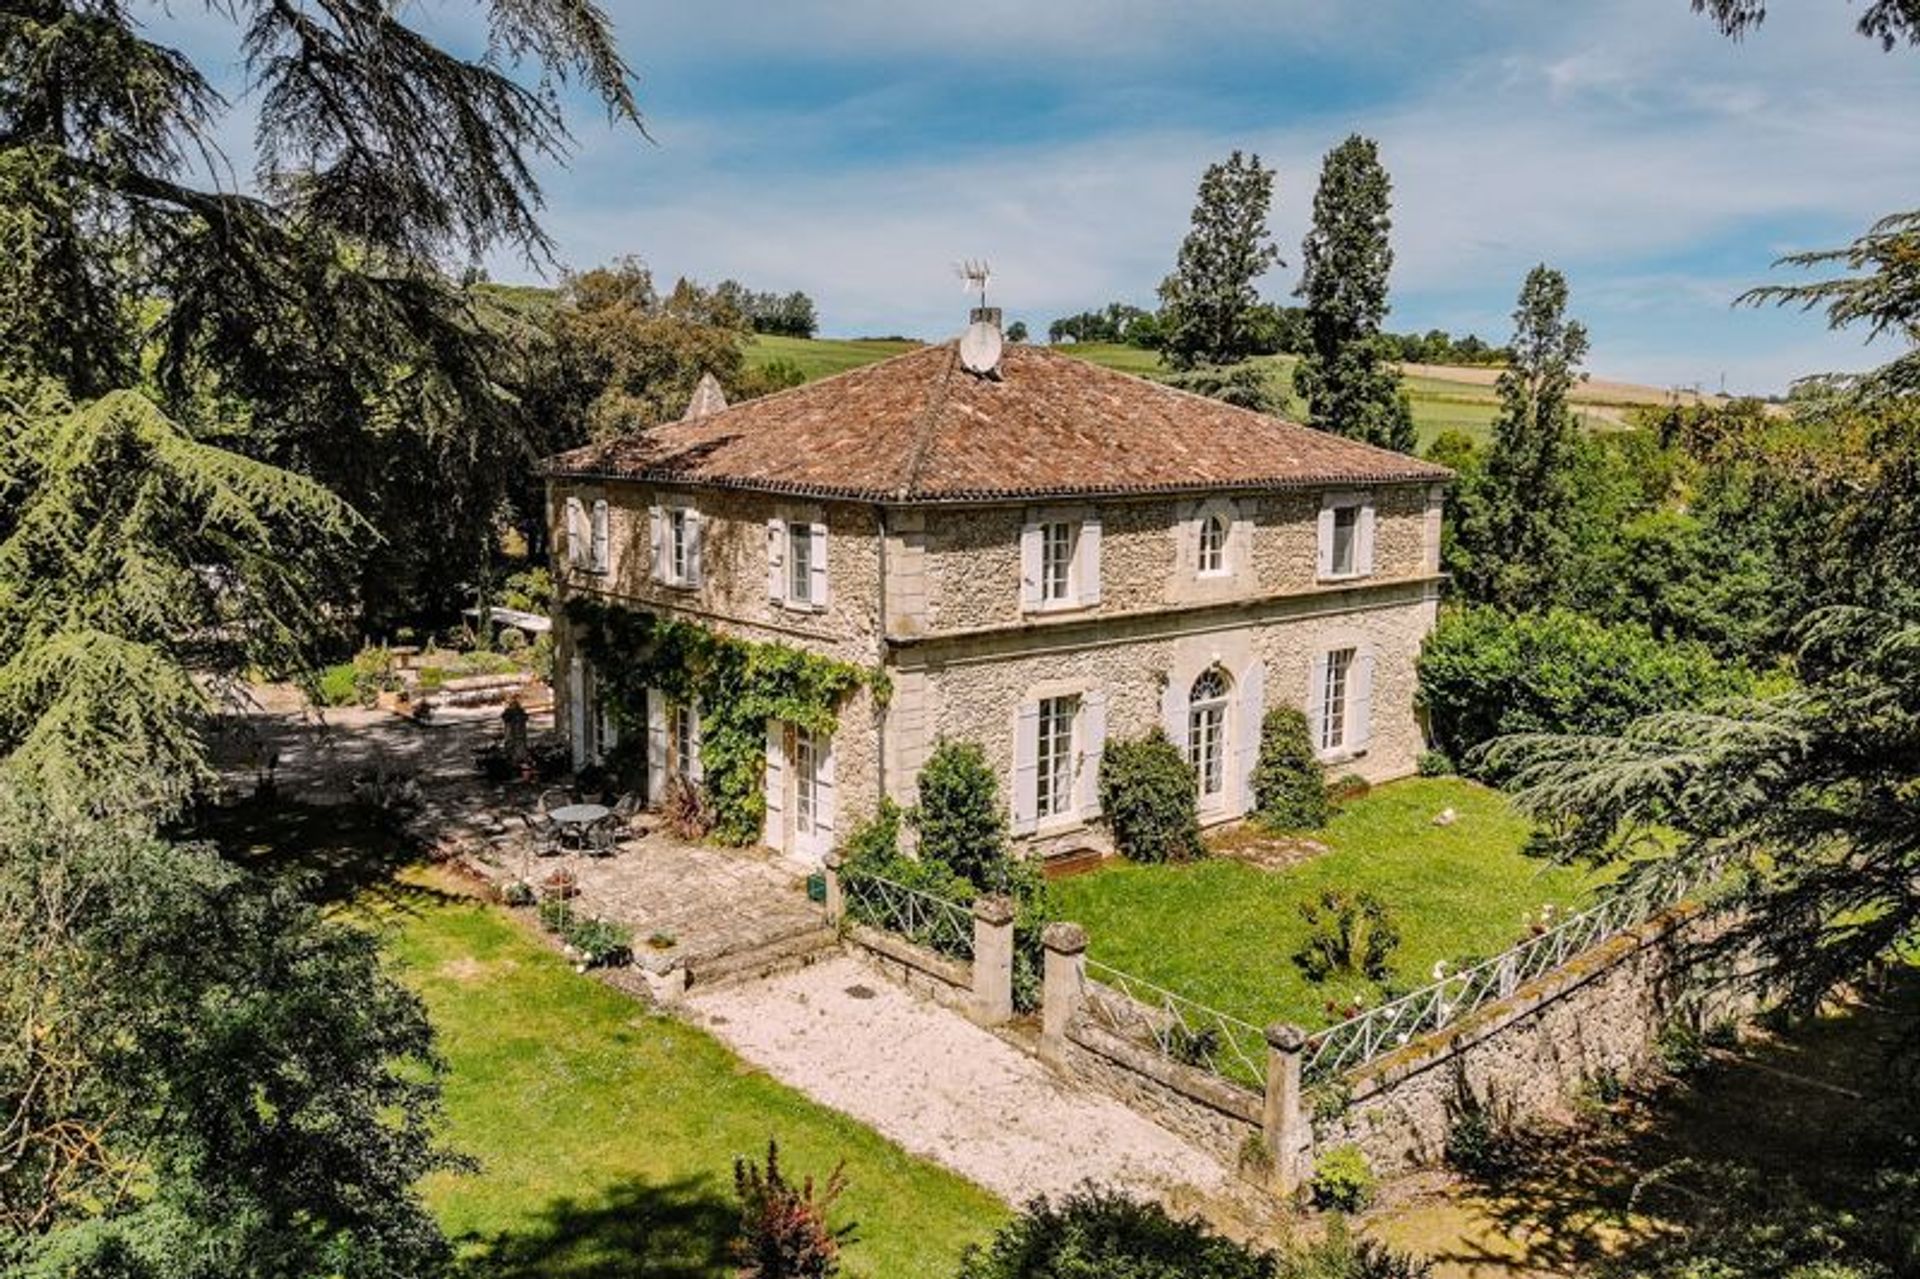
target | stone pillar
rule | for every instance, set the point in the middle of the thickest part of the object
(993, 960)
(836, 898)
(1282, 1120)
(1064, 987)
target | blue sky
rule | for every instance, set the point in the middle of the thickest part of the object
(857, 149)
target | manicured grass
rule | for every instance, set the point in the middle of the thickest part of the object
(606, 1133)
(1224, 932)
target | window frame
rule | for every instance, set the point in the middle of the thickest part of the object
(1217, 551)
(1058, 559)
(1209, 715)
(1336, 691)
(799, 567)
(1056, 758)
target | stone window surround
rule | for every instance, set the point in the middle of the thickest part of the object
(665, 504)
(1363, 652)
(1079, 689)
(1362, 501)
(1082, 595)
(786, 515)
(1236, 558)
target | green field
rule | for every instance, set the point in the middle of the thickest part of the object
(1223, 931)
(1439, 404)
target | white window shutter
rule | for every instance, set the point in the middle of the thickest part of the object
(817, 582)
(1173, 712)
(777, 561)
(1253, 711)
(1360, 699)
(657, 544)
(1026, 769)
(1317, 699)
(1030, 566)
(1093, 744)
(1326, 542)
(1090, 560)
(577, 706)
(1363, 537)
(696, 540)
(774, 835)
(600, 536)
(825, 803)
(609, 733)
(696, 767)
(656, 745)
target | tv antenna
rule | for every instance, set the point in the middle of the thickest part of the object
(974, 274)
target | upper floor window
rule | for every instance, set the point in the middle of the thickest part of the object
(797, 564)
(1346, 536)
(1060, 562)
(1213, 545)
(678, 531)
(586, 535)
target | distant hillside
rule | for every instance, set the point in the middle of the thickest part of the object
(1445, 397)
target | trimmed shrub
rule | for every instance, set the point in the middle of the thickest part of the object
(1435, 764)
(1342, 1180)
(1348, 932)
(1348, 787)
(783, 1227)
(1289, 785)
(959, 818)
(1094, 1231)
(1485, 674)
(1151, 799)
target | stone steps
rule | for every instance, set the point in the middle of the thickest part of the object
(764, 959)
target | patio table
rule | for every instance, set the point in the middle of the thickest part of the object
(575, 819)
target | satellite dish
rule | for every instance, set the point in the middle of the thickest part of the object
(980, 347)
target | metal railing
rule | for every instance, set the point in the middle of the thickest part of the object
(1378, 1031)
(1179, 1028)
(938, 923)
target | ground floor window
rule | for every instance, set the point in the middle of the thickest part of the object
(683, 727)
(1054, 756)
(1207, 731)
(806, 782)
(1335, 698)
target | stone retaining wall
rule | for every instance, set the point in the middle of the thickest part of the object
(927, 973)
(1527, 1055)
(1195, 1103)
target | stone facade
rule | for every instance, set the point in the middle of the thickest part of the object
(942, 598)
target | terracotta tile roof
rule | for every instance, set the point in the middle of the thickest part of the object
(919, 428)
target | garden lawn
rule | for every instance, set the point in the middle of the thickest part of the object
(606, 1133)
(1224, 932)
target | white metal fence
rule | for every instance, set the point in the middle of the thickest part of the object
(1179, 1028)
(1360, 1039)
(938, 923)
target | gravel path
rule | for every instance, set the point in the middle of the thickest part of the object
(946, 1089)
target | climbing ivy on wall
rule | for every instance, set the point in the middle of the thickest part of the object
(739, 685)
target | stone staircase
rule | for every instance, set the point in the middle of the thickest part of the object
(762, 957)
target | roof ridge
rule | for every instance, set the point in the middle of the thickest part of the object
(928, 421)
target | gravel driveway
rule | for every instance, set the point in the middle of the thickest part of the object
(946, 1089)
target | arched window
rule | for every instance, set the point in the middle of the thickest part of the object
(1207, 730)
(1213, 544)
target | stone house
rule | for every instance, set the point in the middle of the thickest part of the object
(1039, 557)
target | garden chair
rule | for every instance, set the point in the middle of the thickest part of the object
(625, 809)
(544, 834)
(603, 837)
(555, 797)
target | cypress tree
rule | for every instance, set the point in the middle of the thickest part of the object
(1210, 297)
(1345, 376)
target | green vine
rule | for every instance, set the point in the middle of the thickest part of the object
(738, 684)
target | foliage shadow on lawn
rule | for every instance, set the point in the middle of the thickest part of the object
(335, 853)
(679, 1229)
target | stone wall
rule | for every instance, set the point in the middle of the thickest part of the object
(1526, 1055)
(970, 556)
(1184, 1099)
(947, 982)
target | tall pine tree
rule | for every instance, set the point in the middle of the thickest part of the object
(1515, 520)
(1345, 377)
(1210, 297)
